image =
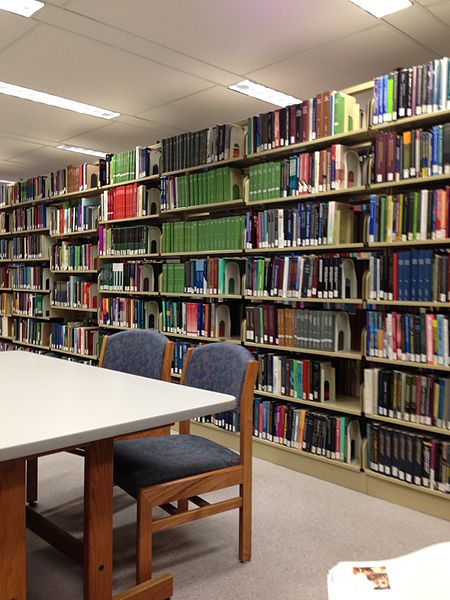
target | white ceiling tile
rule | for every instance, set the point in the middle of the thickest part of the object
(339, 65)
(442, 11)
(89, 71)
(40, 121)
(423, 27)
(134, 44)
(13, 27)
(11, 147)
(117, 137)
(234, 35)
(48, 159)
(427, 2)
(217, 105)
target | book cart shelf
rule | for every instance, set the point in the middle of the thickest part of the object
(153, 295)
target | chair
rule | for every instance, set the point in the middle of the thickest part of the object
(138, 352)
(177, 468)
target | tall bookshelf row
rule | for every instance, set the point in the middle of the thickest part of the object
(312, 236)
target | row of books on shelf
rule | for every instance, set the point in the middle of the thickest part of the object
(419, 215)
(326, 277)
(129, 201)
(307, 380)
(25, 277)
(196, 318)
(205, 187)
(25, 246)
(411, 154)
(72, 256)
(136, 163)
(179, 355)
(407, 92)
(31, 305)
(128, 241)
(5, 304)
(128, 277)
(30, 331)
(202, 276)
(24, 219)
(70, 218)
(336, 437)
(327, 114)
(128, 312)
(410, 457)
(420, 338)
(209, 234)
(77, 337)
(114, 168)
(411, 397)
(337, 168)
(75, 292)
(415, 275)
(322, 330)
(221, 142)
(306, 224)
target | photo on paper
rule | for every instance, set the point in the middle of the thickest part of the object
(376, 577)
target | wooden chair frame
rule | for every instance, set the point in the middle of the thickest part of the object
(188, 489)
(32, 463)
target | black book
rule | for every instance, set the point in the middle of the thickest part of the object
(402, 93)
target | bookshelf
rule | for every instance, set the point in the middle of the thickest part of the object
(149, 291)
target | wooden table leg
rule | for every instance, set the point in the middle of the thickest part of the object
(12, 530)
(98, 511)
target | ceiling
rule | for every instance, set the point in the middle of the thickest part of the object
(165, 65)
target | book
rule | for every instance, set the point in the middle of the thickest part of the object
(420, 574)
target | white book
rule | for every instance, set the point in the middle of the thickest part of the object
(417, 576)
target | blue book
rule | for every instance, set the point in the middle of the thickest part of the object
(385, 96)
(405, 319)
(372, 218)
(250, 135)
(435, 151)
(314, 118)
(441, 325)
(414, 275)
(427, 285)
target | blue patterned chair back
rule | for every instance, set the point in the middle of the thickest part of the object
(219, 367)
(136, 352)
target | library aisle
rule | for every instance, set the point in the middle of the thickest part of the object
(302, 527)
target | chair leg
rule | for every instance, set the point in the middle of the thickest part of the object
(144, 542)
(32, 481)
(245, 524)
(183, 505)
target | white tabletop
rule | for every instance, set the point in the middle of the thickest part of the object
(48, 404)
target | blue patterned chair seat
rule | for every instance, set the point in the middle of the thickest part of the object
(145, 462)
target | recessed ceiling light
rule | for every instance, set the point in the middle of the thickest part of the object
(82, 150)
(381, 8)
(26, 8)
(79, 107)
(7, 181)
(256, 90)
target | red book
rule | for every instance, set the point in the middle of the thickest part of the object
(276, 128)
(305, 379)
(395, 276)
(326, 106)
(319, 115)
(305, 120)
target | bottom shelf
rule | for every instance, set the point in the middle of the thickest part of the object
(431, 502)
(347, 475)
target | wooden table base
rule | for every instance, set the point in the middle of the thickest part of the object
(12, 530)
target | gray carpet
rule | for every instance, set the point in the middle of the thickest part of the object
(302, 527)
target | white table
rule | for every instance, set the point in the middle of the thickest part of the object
(48, 405)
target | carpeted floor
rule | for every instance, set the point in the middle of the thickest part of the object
(302, 526)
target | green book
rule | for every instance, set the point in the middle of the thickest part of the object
(227, 191)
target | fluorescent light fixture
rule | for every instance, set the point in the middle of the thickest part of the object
(6, 181)
(26, 8)
(381, 8)
(256, 90)
(79, 107)
(82, 150)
